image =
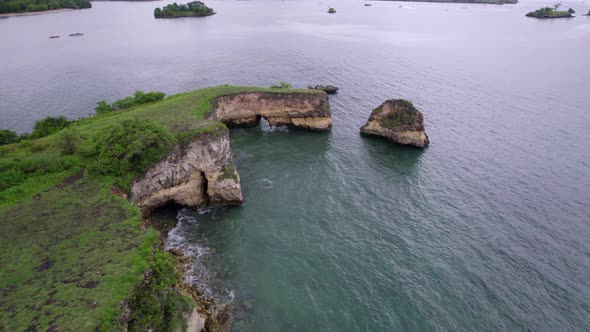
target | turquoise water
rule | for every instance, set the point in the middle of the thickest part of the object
(486, 230)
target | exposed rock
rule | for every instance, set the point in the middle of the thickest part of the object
(293, 109)
(330, 89)
(118, 192)
(219, 320)
(196, 322)
(200, 173)
(398, 121)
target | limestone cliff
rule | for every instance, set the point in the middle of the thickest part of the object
(200, 173)
(398, 121)
(294, 109)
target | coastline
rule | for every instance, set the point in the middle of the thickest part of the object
(52, 11)
(512, 2)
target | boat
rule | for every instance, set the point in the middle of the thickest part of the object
(368, 5)
(52, 37)
(77, 34)
(331, 10)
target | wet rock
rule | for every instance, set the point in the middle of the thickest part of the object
(247, 305)
(398, 121)
(329, 89)
(219, 320)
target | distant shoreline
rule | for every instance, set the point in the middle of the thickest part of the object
(476, 2)
(38, 13)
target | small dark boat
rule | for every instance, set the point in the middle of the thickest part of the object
(77, 34)
(368, 5)
(52, 37)
(331, 10)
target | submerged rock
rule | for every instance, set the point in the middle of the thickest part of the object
(330, 89)
(247, 305)
(398, 121)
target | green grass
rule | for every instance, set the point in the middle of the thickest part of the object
(71, 251)
(69, 256)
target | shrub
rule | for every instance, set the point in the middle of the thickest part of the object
(49, 125)
(138, 98)
(102, 107)
(130, 148)
(8, 137)
(283, 85)
(68, 141)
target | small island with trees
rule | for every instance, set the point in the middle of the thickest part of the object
(191, 9)
(549, 12)
(27, 6)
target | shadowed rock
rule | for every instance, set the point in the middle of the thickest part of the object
(330, 89)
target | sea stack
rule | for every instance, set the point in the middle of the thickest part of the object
(398, 121)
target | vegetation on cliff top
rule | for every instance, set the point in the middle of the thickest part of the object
(21, 6)
(405, 114)
(72, 250)
(195, 8)
(138, 98)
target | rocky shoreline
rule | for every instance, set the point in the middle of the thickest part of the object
(201, 173)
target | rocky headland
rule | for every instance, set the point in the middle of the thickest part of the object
(398, 121)
(159, 152)
(201, 172)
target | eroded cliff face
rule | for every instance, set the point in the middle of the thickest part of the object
(398, 121)
(299, 110)
(200, 173)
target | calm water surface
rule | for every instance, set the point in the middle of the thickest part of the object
(485, 230)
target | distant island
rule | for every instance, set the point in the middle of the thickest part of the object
(191, 9)
(29, 6)
(549, 12)
(490, 2)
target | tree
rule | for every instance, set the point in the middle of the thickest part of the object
(49, 125)
(557, 5)
(8, 136)
(68, 141)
